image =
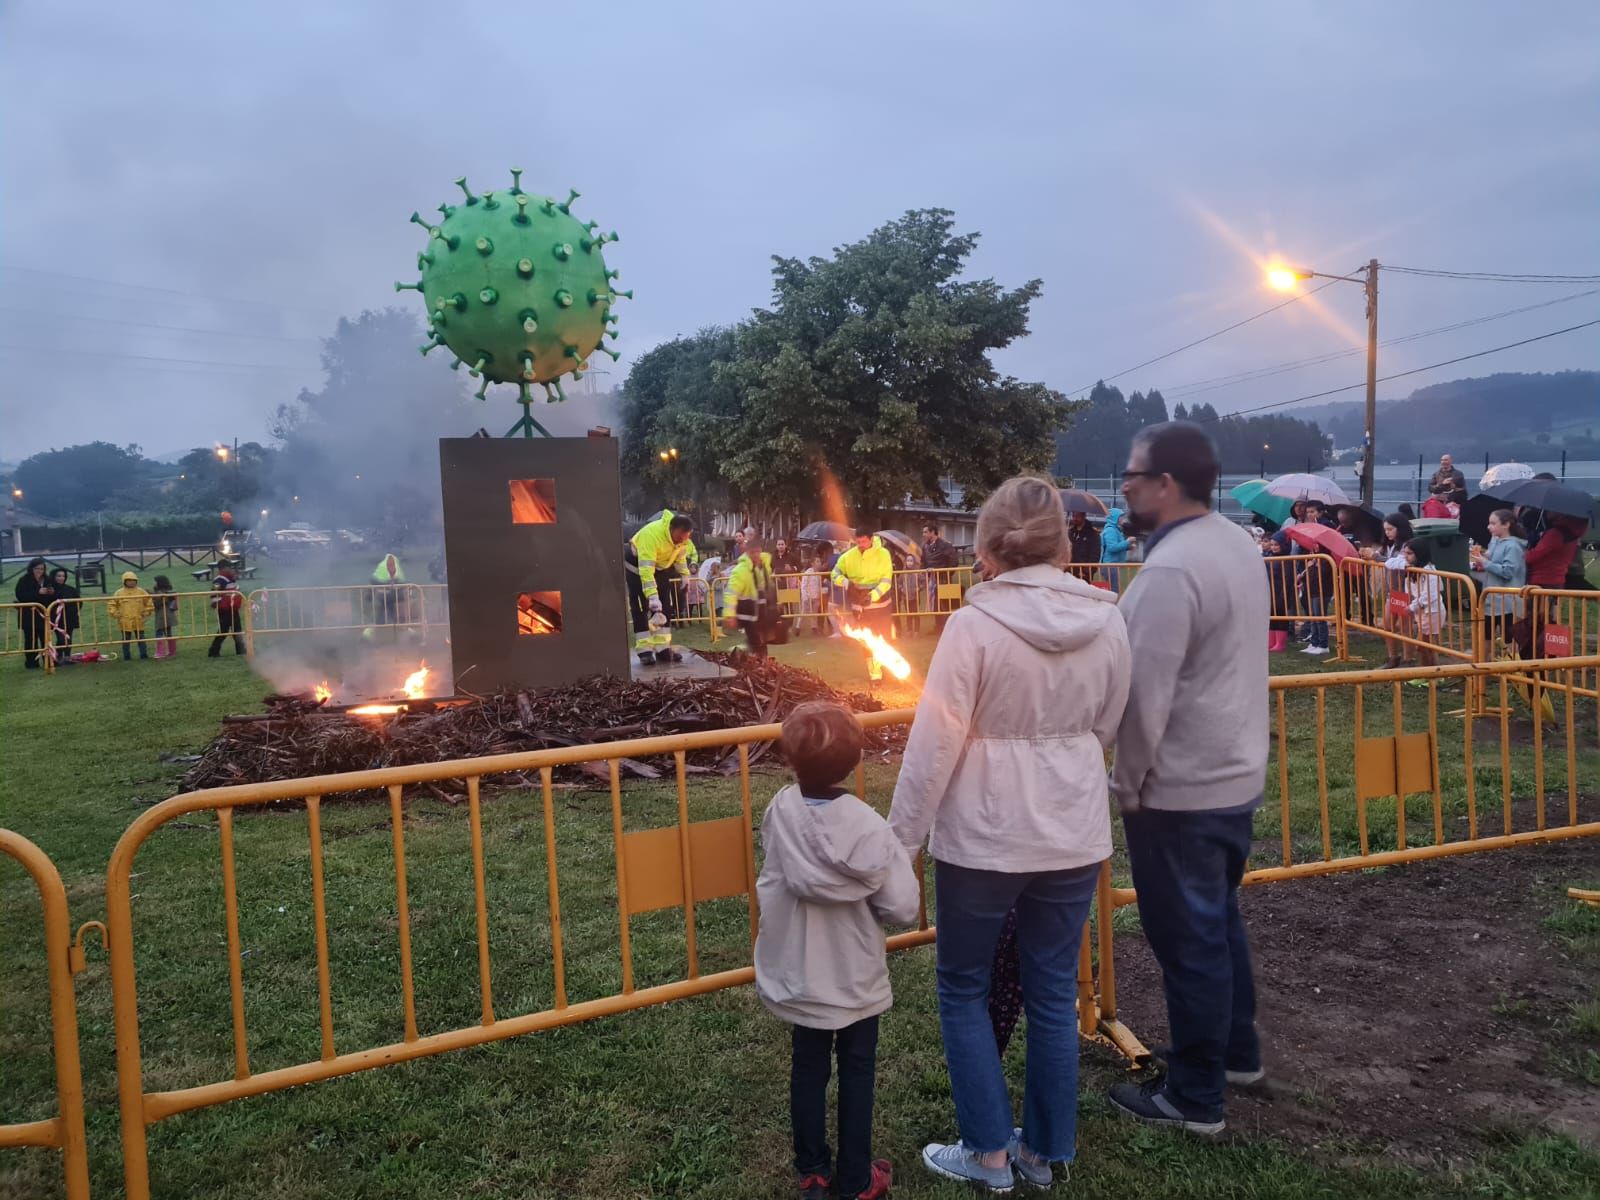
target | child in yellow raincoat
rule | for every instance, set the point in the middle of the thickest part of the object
(131, 607)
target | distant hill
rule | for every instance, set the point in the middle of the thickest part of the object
(1509, 416)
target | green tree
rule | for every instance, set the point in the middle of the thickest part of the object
(79, 479)
(873, 365)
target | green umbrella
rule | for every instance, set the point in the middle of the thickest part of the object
(1253, 496)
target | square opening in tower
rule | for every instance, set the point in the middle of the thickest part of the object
(533, 502)
(538, 613)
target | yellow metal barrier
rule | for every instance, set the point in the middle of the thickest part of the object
(24, 629)
(64, 1131)
(349, 607)
(92, 624)
(1418, 613)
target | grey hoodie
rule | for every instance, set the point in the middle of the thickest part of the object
(1005, 766)
(833, 876)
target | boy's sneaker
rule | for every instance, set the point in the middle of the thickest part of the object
(882, 1179)
(955, 1161)
(1150, 1102)
(1036, 1173)
(647, 658)
(1245, 1078)
(814, 1187)
(668, 656)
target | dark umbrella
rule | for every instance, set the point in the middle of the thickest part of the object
(1547, 495)
(825, 531)
(1076, 500)
(1367, 522)
(1474, 517)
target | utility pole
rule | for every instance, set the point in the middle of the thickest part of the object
(1369, 454)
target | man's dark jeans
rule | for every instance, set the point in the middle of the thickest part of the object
(1186, 868)
(857, 1049)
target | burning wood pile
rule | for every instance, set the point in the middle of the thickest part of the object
(303, 734)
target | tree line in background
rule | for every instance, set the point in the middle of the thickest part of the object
(868, 379)
(1095, 444)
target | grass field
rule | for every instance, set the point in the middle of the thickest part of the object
(684, 1100)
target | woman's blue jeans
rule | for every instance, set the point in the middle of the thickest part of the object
(1051, 909)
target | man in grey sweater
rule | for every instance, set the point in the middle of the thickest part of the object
(1191, 756)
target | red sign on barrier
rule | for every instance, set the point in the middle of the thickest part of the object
(1558, 641)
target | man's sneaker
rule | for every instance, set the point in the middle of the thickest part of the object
(668, 656)
(956, 1162)
(1149, 1102)
(882, 1179)
(814, 1187)
(1245, 1078)
(647, 657)
(1317, 650)
(1035, 1172)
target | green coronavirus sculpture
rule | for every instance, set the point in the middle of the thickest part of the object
(517, 288)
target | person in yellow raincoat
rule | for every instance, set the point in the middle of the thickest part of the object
(130, 607)
(751, 600)
(652, 551)
(865, 574)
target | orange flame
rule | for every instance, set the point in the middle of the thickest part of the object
(373, 710)
(885, 655)
(416, 684)
(322, 692)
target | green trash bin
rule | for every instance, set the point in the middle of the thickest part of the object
(1448, 543)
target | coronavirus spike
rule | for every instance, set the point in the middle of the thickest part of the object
(521, 216)
(408, 287)
(562, 250)
(529, 319)
(449, 210)
(577, 371)
(424, 260)
(590, 226)
(612, 334)
(488, 296)
(553, 392)
(476, 368)
(485, 246)
(615, 355)
(549, 207)
(527, 394)
(430, 347)
(525, 267)
(456, 365)
(596, 297)
(489, 202)
(416, 219)
(462, 184)
(628, 293)
(516, 181)
(613, 274)
(571, 352)
(564, 298)
(566, 205)
(527, 368)
(483, 392)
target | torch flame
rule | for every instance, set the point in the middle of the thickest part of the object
(416, 684)
(322, 693)
(374, 710)
(885, 655)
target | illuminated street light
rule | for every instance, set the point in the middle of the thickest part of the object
(1284, 279)
(222, 453)
(16, 493)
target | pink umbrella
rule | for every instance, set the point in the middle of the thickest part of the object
(1321, 539)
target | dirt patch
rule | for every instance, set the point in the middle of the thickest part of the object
(1413, 1009)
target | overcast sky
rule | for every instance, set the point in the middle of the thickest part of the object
(194, 193)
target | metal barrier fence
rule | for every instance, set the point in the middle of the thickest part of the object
(1418, 612)
(1327, 820)
(63, 959)
(96, 623)
(24, 630)
(349, 607)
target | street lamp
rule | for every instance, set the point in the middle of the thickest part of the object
(1283, 279)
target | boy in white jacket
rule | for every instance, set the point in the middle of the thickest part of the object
(833, 876)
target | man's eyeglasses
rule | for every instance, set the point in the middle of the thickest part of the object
(1127, 475)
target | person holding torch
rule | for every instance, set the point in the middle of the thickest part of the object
(865, 574)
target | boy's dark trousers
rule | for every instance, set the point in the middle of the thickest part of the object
(228, 622)
(856, 1047)
(128, 638)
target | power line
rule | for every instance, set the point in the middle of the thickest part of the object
(200, 362)
(1414, 371)
(144, 287)
(1493, 276)
(1199, 341)
(271, 337)
(1201, 386)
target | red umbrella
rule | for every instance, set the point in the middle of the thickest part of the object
(1321, 539)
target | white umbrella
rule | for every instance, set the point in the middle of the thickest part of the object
(1301, 486)
(1504, 472)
